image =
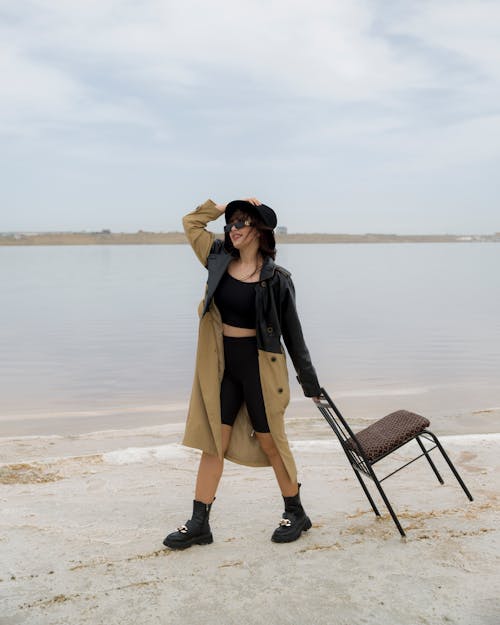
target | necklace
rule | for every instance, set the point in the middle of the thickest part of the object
(244, 278)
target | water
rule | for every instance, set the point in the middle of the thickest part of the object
(93, 331)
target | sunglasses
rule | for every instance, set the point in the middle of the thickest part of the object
(237, 224)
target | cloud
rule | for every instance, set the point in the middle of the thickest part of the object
(467, 29)
(247, 91)
(69, 56)
(30, 88)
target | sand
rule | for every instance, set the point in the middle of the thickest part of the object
(176, 238)
(83, 519)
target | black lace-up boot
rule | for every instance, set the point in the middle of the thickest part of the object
(195, 532)
(294, 521)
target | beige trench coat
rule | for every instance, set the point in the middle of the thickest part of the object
(203, 426)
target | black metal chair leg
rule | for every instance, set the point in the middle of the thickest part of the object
(427, 455)
(450, 464)
(387, 503)
(379, 440)
(367, 493)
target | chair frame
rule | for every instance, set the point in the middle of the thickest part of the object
(362, 465)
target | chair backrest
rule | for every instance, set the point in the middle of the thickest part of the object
(342, 429)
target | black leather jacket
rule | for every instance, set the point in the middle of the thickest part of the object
(276, 313)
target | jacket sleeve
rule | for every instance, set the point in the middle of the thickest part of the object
(200, 239)
(294, 340)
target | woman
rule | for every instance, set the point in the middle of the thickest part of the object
(240, 390)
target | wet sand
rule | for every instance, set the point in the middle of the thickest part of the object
(84, 516)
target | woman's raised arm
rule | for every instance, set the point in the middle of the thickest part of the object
(195, 223)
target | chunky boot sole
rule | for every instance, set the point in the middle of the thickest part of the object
(293, 533)
(201, 539)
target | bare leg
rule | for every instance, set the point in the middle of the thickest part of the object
(210, 470)
(288, 488)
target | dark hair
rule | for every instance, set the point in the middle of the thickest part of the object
(267, 243)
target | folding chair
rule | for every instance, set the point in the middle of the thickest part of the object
(378, 441)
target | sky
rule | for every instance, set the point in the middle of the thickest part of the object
(354, 116)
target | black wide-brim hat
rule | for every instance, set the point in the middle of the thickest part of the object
(265, 213)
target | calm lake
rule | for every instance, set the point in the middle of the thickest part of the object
(92, 331)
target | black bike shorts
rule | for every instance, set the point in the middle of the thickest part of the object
(241, 383)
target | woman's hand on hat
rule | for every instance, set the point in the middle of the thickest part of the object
(252, 200)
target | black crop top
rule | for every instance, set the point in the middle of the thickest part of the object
(236, 301)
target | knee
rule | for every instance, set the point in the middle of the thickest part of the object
(211, 461)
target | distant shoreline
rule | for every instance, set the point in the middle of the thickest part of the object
(178, 238)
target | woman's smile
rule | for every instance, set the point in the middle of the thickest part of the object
(237, 236)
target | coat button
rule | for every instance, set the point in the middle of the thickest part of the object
(280, 390)
(273, 358)
(269, 329)
(263, 283)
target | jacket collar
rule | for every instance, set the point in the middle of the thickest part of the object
(268, 268)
